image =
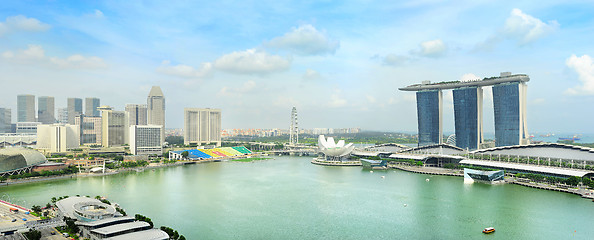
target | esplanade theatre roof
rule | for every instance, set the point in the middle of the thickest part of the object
(17, 158)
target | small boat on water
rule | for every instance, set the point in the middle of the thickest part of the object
(488, 230)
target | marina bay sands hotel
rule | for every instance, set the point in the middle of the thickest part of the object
(509, 105)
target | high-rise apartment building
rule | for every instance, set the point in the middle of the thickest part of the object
(57, 138)
(74, 109)
(45, 110)
(509, 103)
(5, 120)
(62, 115)
(156, 107)
(146, 139)
(92, 107)
(202, 126)
(429, 109)
(90, 129)
(468, 117)
(137, 114)
(114, 127)
(26, 108)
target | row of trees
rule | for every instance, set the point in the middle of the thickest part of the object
(572, 181)
(68, 170)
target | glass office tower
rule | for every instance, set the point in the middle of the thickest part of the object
(468, 117)
(509, 104)
(429, 117)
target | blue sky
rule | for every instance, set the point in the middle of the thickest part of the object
(339, 62)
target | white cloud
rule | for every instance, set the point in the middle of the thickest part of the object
(251, 62)
(311, 74)
(469, 77)
(336, 100)
(185, 71)
(433, 48)
(247, 87)
(98, 13)
(35, 54)
(526, 28)
(79, 61)
(520, 27)
(22, 23)
(305, 40)
(584, 67)
(371, 99)
(395, 60)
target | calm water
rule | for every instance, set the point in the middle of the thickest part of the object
(289, 198)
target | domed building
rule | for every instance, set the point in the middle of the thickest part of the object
(334, 151)
(19, 160)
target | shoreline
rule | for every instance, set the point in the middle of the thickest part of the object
(584, 193)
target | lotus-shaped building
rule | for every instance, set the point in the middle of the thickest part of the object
(332, 150)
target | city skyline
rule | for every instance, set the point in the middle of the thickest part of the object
(331, 64)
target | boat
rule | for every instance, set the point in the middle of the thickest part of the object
(488, 230)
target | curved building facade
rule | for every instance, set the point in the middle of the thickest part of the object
(19, 160)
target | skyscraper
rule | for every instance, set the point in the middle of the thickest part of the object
(74, 109)
(202, 126)
(5, 120)
(509, 104)
(62, 115)
(26, 108)
(137, 114)
(468, 117)
(146, 140)
(114, 127)
(45, 110)
(89, 129)
(156, 107)
(429, 108)
(91, 107)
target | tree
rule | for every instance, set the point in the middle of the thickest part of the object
(36, 208)
(185, 154)
(33, 235)
(573, 181)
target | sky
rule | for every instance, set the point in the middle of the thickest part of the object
(339, 62)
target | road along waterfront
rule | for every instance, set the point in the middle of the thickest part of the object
(290, 198)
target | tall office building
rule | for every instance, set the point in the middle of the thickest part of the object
(509, 104)
(62, 115)
(146, 139)
(26, 108)
(89, 129)
(74, 109)
(202, 126)
(156, 107)
(91, 107)
(137, 114)
(45, 110)
(5, 120)
(468, 117)
(114, 127)
(429, 109)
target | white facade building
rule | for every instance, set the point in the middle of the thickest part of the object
(137, 114)
(27, 127)
(202, 126)
(57, 137)
(146, 139)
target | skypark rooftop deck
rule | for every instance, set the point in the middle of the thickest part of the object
(474, 83)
